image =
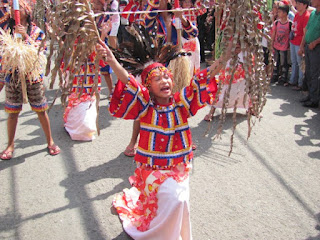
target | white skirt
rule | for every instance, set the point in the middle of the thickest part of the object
(173, 215)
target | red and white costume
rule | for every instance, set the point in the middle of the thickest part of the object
(80, 114)
(157, 205)
(238, 87)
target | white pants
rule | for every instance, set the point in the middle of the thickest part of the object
(237, 93)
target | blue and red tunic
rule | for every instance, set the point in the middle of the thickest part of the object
(165, 137)
(154, 19)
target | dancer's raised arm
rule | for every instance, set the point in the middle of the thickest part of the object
(107, 55)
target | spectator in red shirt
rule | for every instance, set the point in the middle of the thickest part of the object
(298, 26)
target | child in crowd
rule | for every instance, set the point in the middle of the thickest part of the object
(35, 89)
(157, 206)
(102, 21)
(280, 42)
(113, 6)
(298, 27)
(192, 45)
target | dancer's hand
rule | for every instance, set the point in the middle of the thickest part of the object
(104, 52)
(178, 13)
(105, 29)
(22, 30)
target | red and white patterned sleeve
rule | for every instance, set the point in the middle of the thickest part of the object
(129, 100)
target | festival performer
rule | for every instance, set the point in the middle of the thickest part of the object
(134, 6)
(165, 23)
(237, 92)
(192, 45)
(4, 13)
(80, 115)
(35, 90)
(4, 18)
(157, 206)
(102, 22)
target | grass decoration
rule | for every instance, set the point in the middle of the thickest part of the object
(180, 68)
(24, 61)
(242, 25)
(39, 13)
(73, 30)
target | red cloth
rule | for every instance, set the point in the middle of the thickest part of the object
(281, 39)
(142, 211)
(299, 23)
(165, 137)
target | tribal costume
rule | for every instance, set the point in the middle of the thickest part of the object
(80, 113)
(35, 88)
(4, 17)
(157, 206)
(154, 19)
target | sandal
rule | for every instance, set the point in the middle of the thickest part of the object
(130, 152)
(6, 155)
(53, 150)
(194, 147)
(208, 117)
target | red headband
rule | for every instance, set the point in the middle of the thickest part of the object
(147, 70)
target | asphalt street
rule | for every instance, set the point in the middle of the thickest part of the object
(269, 188)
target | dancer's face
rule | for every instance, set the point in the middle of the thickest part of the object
(161, 85)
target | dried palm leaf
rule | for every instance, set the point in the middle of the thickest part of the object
(242, 26)
(39, 13)
(72, 29)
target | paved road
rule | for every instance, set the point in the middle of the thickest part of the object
(267, 189)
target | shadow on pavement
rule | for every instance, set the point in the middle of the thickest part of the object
(78, 197)
(205, 137)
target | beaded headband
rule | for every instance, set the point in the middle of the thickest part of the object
(147, 73)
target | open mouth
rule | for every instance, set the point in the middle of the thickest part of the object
(165, 89)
